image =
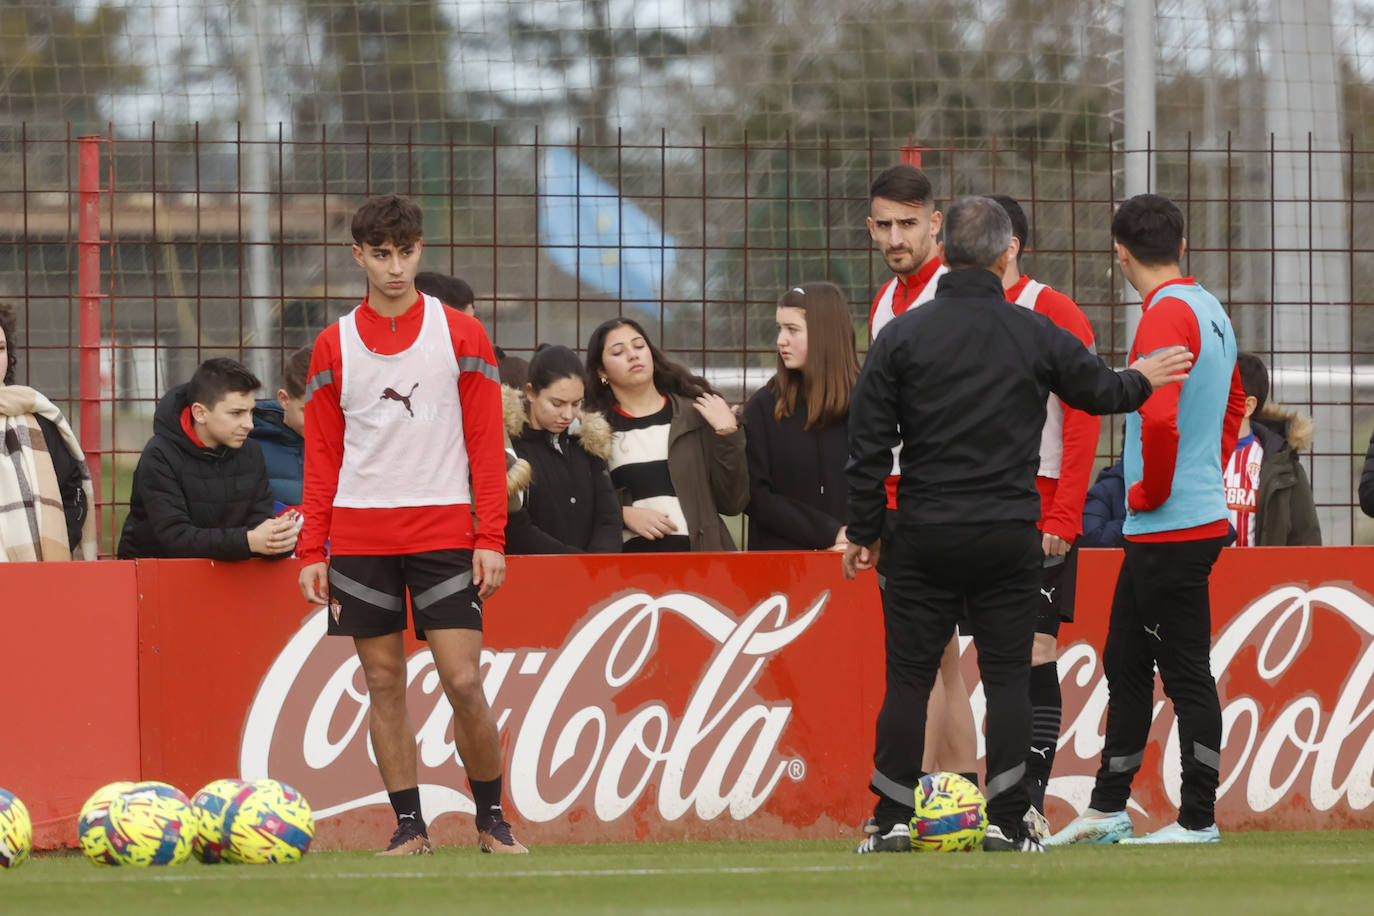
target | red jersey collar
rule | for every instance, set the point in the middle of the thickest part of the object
(1014, 291)
(1149, 300)
(374, 314)
(917, 281)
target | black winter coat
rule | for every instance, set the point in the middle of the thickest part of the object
(961, 382)
(189, 501)
(570, 506)
(796, 477)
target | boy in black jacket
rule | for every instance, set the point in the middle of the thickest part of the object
(200, 489)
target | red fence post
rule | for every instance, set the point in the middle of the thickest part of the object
(88, 288)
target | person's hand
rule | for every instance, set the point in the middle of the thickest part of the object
(314, 582)
(1054, 545)
(647, 523)
(1165, 366)
(488, 571)
(857, 558)
(841, 542)
(715, 410)
(273, 537)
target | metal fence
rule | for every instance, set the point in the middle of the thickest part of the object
(199, 246)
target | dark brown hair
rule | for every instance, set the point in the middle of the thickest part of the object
(832, 364)
(1151, 229)
(293, 376)
(9, 320)
(669, 377)
(388, 218)
(451, 291)
(218, 377)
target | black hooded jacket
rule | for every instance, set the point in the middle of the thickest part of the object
(190, 501)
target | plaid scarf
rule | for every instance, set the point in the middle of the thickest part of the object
(33, 525)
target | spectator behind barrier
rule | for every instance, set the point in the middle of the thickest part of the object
(1104, 511)
(677, 453)
(1267, 489)
(45, 486)
(279, 429)
(200, 489)
(797, 439)
(570, 505)
(451, 291)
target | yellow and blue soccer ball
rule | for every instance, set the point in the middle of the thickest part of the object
(267, 822)
(151, 823)
(951, 814)
(90, 826)
(16, 831)
(211, 803)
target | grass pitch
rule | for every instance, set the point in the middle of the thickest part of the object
(1251, 874)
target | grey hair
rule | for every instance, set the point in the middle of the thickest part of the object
(977, 232)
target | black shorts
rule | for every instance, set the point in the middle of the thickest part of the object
(367, 594)
(1058, 588)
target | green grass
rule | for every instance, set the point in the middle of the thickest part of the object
(1253, 874)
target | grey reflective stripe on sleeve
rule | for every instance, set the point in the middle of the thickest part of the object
(1004, 781)
(450, 586)
(322, 378)
(1125, 764)
(478, 364)
(365, 593)
(1207, 757)
(904, 795)
(882, 581)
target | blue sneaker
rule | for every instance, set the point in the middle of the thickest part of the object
(1094, 828)
(1176, 833)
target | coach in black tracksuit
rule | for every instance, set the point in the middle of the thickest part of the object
(961, 382)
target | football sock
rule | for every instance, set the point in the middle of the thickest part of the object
(1046, 712)
(406, 804)
(486, 796)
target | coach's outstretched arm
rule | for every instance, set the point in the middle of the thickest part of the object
(1084, 381)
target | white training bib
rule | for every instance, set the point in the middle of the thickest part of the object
(1052, 436)
(403, 422)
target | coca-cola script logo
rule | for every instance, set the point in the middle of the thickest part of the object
(1294, 671)
(572, 746)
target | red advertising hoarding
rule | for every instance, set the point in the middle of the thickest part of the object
(688, 696)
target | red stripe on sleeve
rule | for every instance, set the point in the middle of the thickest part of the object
(483, 428)
(324, 438)
(1167, 322)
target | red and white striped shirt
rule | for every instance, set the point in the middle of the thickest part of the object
(1241, 478)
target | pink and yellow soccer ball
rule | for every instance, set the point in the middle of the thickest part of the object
(950, 816)
(151, 823)
(211, 803)
(16, 831)
(91, 824)
(268, 821)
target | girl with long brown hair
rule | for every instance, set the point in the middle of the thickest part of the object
(796, 425)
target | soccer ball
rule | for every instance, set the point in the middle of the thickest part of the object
(90, 826)
(210, 804)
(268, 821)
(152, 823)
(16, 831)
(951, 814)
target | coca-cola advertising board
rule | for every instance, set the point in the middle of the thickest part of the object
(710, 696)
